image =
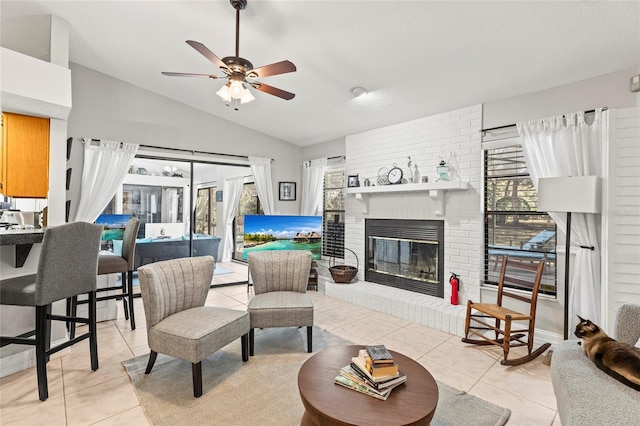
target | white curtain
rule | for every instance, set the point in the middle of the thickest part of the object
(231, 189)
(568, 146)
(261, 169)
(105, 166)
(312, 178)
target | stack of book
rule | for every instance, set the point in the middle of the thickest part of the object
(373, 372)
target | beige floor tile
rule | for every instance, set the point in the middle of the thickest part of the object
(410, 342)
(429, 333)
(80, 376)
(133, 417)
(366, 331)
(100, 402)
(467, 359)
(136, 337)
(333, 318)
(140, 350)
(523, 411)
(107, 345)
(448, 375)
(220, 300)
(52, 410)
(524, 380)
(20, 390)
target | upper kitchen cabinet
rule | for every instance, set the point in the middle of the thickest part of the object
(24, 167)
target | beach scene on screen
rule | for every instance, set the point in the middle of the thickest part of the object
(266, 232)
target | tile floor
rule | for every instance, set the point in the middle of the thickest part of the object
(79, 396)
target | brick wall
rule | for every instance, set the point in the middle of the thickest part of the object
(453, 136)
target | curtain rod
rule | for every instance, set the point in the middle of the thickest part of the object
(507, 126)
(191, 151)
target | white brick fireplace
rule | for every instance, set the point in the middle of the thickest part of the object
(455, 137)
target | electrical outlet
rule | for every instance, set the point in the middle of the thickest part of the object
(635, 83)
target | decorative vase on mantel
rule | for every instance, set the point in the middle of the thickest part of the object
(443, 171)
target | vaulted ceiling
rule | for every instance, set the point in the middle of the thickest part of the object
(416, 58)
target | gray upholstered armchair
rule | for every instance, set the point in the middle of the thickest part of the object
(178, 324)
(280, 280)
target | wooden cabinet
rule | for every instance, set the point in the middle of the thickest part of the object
(24, 166)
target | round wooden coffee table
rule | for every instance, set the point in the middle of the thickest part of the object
(412, 403)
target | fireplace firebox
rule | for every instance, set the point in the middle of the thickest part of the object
(406, 254)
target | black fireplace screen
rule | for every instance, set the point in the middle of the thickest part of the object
(405, 253)
(413, 259)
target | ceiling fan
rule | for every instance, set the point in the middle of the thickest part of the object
(238, 71)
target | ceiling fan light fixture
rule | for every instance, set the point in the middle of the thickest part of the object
(237, 69)
(247, 97)
(224, 93)
(236, 89)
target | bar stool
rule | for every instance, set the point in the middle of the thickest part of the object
(66, 268)
(110, 263)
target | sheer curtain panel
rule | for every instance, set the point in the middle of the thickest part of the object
(312, 179)
(569, 146)
(232, 189)
(261, 169)
(105, 166)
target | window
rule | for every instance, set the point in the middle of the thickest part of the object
(205, 215)
(333, 213)
(249, 204)
(513, 226)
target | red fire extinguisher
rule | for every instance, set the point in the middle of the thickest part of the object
(455, 288)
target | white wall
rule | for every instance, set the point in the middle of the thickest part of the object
(622, 213)
(326, 149)
(34, 87)
(609, 90)
(107, 108)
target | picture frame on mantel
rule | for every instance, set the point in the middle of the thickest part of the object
(287, 191)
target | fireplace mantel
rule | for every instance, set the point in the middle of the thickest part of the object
(436, 192)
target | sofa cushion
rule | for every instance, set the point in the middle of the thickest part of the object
(585, 394)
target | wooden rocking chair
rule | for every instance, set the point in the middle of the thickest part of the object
(522, 274)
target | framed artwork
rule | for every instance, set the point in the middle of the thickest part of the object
(287, 191)
(352, 181)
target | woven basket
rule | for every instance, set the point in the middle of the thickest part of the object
(343, 274)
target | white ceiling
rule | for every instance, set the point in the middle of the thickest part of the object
(416, 58)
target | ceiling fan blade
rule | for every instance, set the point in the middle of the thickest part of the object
(282, 67)
(204, 51)
(273, 91)
(186, 74)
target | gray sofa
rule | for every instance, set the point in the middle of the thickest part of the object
(150, 250)
(585, 394)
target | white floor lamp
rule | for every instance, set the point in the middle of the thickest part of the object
(579, 194)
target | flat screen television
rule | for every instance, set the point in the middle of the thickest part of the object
(113, 225)
(266, 232)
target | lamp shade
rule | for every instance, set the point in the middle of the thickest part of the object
(575, 194)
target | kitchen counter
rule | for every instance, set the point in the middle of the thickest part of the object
(23, 240)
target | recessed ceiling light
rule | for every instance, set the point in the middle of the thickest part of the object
(358, 91)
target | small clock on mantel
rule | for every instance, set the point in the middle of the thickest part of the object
(395, 175)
